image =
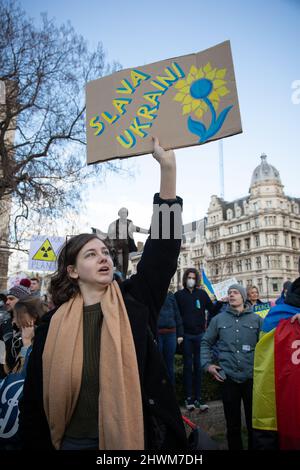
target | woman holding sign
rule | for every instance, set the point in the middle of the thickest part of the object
(95, 377)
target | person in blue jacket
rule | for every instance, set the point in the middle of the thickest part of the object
(170, 332)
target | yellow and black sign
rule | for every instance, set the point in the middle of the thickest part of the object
(45, 252)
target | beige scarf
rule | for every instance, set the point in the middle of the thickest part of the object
(120, 403)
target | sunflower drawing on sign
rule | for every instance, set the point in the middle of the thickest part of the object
(201, 92)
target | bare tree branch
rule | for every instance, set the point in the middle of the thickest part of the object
(42, 122)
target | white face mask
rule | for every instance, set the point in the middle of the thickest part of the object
(190, 283)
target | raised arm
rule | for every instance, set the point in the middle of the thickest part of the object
(159, 260)
(167, 162)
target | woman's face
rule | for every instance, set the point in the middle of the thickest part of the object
(93, 266)
(253, 294)
(24, 319)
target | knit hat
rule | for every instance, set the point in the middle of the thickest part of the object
(25, 282)
(21, 292)
(241, 290)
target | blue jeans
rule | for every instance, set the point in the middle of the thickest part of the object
(167, 347)
(191, 365)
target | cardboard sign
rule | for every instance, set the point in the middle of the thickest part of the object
(184, 101)
(221, 288)
(43, 252)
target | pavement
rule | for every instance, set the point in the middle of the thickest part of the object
(212, 421)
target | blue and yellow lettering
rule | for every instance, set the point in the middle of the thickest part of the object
(147, 112)
(153, 97)
(159, 86)
(168, 79)
(137, 127)
(94, 122)
(128, 141)
(109, 118)
(121, 103)
(137, 77)
(128, 88)
(178, 70)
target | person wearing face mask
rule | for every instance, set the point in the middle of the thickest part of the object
(193, 303)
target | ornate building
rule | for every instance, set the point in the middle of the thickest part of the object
(255, 239)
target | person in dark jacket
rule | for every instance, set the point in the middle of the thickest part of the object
(95, 378)
(170, 332)
(193, 303)
(286, 287)
(8, 333)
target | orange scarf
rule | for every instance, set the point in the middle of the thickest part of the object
(121, 424)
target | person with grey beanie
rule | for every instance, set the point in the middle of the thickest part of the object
(237, 331)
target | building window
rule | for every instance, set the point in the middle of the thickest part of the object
(230, 267)
(238, 246)
(249, 282)
(257, 241)
(272, 239)
(247, 243)
(230, 230)
(286, 239)
(216, 270)
(260, 284)
(274, 285)
(296, 261)
(273, 262)
(287, 262)
(269, 204)
(215, 233)
(247, 225)
(239, 228)
(256, 221)
(216, 249)
(255, 206)
(294, 243)
(248, 264)
(229, 248)
(239, 267)
(258, 262)
(270, 220)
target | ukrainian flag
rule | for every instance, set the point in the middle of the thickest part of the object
(264, 413)
(206, 285)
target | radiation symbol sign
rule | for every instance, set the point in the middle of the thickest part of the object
(43, 252)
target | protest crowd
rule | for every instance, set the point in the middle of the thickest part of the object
(100, 345)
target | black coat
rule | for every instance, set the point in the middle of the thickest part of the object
(143, 294)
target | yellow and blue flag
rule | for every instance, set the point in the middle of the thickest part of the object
(207, 286)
